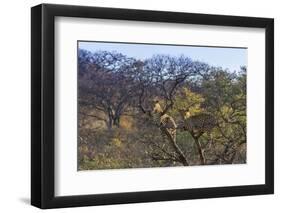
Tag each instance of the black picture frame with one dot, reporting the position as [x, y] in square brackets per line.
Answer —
[43, 105]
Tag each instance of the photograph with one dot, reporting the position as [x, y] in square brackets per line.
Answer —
[160, 105]
[139, 105]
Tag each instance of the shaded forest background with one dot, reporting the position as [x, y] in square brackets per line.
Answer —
[158, 112]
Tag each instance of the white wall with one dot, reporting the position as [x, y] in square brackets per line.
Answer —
[15, 105]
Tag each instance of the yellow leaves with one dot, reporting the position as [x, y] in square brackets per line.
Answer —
[83, 152]
[189, 102]
[192, 96]
[226, 110]
[230, 114]
[116, 142]
[196, 109]
[126, 122]
[83, 148]
[187, 115]
[240, 96]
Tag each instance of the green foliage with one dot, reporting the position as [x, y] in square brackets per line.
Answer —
[186, 100]
[116, 100]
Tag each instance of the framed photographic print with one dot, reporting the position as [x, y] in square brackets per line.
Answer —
[139, 106]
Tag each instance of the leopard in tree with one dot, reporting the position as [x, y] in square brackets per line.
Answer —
[199, 123]
[164, 120]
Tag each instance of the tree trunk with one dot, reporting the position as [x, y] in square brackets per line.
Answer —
[181, 155]
[109, 123]
[200, 151]
[116, 121]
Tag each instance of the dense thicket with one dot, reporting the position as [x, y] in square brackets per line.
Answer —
[162, 111]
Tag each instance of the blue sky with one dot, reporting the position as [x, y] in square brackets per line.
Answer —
[227, 58]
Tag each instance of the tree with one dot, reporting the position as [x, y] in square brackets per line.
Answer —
[161, 77]
[193, 117]
[225, 95]
[180, 112]
[106, 84]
